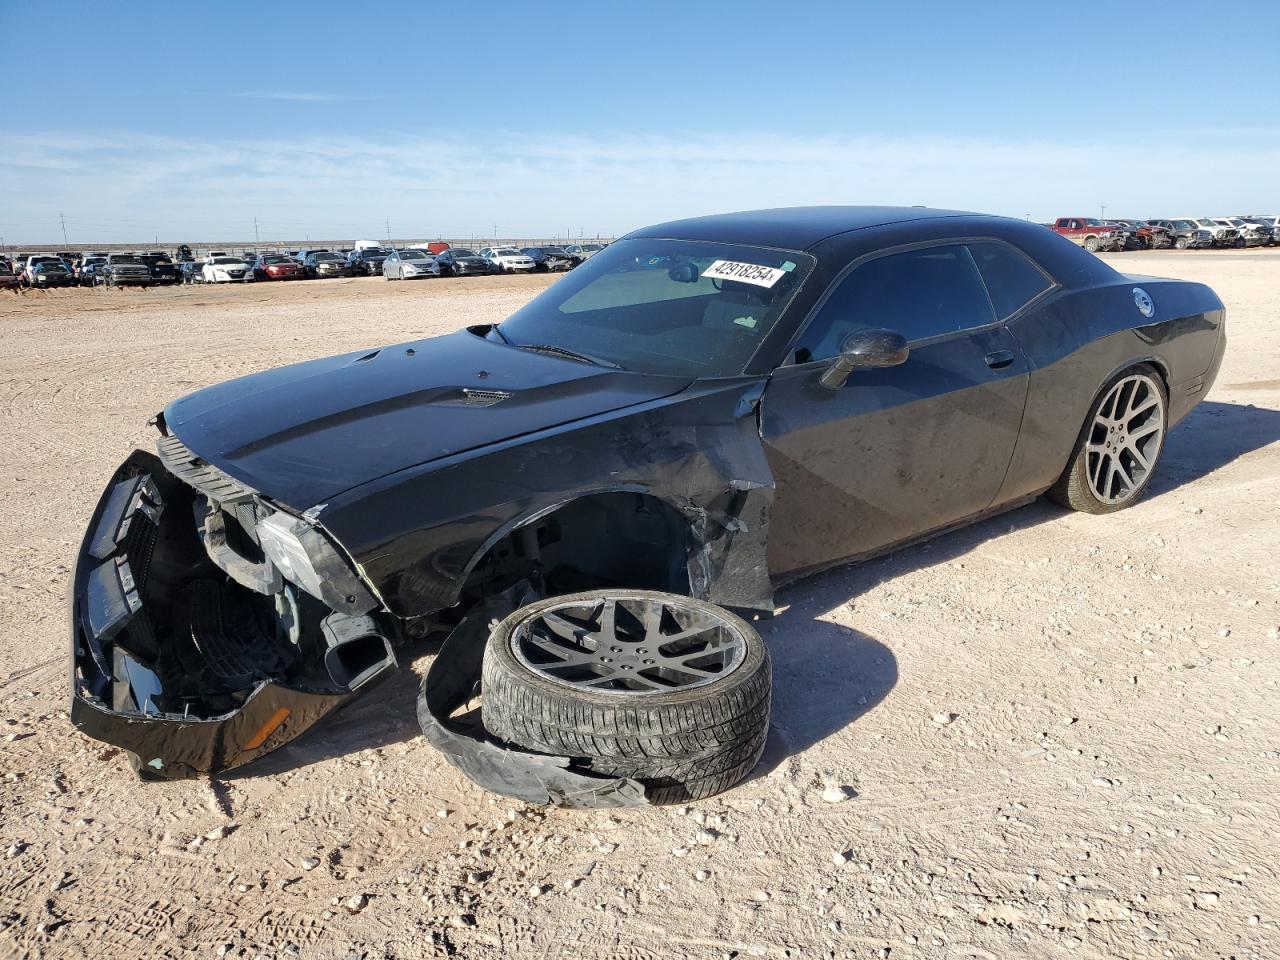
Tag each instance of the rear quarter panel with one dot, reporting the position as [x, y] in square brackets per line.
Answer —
[1079, 340]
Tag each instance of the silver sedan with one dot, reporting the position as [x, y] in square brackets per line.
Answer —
[409, 265]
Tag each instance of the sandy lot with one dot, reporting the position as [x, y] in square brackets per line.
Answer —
[1108, 787]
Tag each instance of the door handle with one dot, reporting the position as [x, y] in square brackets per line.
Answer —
[999, 359]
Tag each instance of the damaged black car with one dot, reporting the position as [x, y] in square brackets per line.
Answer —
[702, 411]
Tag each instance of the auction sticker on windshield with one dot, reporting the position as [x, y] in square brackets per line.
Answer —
[744, 273]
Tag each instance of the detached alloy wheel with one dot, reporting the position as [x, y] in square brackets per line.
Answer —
[668, 690]
[1120, 446]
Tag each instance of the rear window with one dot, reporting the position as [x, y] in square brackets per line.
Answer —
[1011, 279]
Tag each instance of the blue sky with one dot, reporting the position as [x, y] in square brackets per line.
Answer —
[327, 119]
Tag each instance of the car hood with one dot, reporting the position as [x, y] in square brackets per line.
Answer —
[302, 434]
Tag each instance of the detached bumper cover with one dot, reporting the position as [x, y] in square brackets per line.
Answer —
[114, 635]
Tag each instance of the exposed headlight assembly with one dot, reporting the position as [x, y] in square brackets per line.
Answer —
[305, 557]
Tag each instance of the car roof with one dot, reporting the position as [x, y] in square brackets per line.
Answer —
[789, 227]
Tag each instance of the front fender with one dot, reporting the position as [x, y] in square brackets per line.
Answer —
[418, 534]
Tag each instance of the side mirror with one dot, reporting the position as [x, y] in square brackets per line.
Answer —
[864, 350]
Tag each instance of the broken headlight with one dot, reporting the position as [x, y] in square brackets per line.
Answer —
[305, 557]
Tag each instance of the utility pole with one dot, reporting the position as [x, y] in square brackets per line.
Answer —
[63, 219]
[1104, 212]
[388, 231]
[255, 231]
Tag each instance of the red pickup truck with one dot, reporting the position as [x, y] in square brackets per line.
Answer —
[1091, 234]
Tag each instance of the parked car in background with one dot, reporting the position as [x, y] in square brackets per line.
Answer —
[28, 267]
[508, 260]
[459, 261]
[51, 274]
[1186, 234]
[409, 265]
[276, 266]
[1223, 235]
[433, 247]
[163, 270]
[125, 269]
[551, 259]
[86, 270]
[301, 255]
[1146, 235]
[10, 278]
[586, 249]
[1090, 233]
[1248, 234]
[1272, 223]
[225, 269]
[325, 265]
[366, 261]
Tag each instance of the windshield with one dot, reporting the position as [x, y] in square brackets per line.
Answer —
[227, 261]
[507, 252]
[328, 258]
[374, 252]
[123, 258]
[458, 252]
[412, 255]
[680, 307]
[593, 246]
[276, 258]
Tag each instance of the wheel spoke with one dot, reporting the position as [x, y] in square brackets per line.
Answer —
[1144, 431]
[1151, 401]
[608, 618]
[564, 628]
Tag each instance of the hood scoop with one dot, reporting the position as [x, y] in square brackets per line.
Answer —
[467, 397]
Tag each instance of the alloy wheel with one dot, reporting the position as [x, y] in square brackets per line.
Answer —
[629, 645]
[1125, 438]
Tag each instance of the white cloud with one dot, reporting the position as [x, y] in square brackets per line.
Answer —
[133, 187]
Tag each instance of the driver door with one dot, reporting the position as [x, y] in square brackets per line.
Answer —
[899, 451]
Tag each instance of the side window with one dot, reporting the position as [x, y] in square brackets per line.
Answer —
[1011, 279]
[919, 294]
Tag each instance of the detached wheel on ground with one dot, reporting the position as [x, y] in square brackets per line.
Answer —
[1119, 447]
[667, 690]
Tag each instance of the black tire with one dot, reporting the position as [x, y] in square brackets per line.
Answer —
[1181, 243]
[685, 744]
[1091, 244]
[1072, 489]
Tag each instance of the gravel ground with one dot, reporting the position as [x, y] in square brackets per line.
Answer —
[1047, 735]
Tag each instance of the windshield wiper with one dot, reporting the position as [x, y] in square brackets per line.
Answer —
[568, 354]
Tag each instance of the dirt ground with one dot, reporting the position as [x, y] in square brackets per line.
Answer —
[1059, 731]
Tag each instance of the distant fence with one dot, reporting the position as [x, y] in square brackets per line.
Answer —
[235, 247]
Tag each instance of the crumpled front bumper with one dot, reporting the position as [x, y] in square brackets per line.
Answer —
[119, 632]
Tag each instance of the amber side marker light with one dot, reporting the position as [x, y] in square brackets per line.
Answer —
[267, 729]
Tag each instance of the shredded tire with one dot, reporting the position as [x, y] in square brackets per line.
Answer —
[686, 744]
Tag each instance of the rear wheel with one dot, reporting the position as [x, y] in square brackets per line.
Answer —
[1119, 447]
[664, 689]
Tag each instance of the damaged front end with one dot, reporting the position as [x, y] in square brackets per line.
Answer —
[209, 627]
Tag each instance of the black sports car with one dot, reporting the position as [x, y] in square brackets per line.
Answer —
[780, 391]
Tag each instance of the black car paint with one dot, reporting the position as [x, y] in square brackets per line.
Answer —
[774, 475]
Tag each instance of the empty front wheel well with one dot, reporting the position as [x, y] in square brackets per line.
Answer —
[606, 539]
